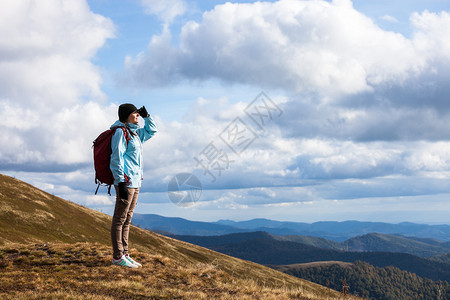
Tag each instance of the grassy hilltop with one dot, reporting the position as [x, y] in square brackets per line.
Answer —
[55, 249]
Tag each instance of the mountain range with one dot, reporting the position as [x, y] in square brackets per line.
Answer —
[335, 231]
[371, 242]
[264, 248]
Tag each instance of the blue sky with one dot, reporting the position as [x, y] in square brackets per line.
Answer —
[357, 91]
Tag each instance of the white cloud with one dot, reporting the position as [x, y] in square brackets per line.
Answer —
[46, 50]
[430, 157]
[389, 18]
[166, 10]
[229, 200]
[94, 200]
[275, 160]
[46, 77]
[431, 36]
[334, 159]
[291, 44]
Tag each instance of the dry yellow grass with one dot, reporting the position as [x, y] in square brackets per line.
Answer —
[84, 271]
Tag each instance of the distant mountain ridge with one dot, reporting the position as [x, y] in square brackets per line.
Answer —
[176, 225]
[336, 231]
[371, 242]
[396, 243]
[339, 231]
[264, 248]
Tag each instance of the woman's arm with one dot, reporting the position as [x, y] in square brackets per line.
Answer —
[149, 129]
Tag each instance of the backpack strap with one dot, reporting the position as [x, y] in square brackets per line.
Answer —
[125, 132]
[109, 189]
[97, 189]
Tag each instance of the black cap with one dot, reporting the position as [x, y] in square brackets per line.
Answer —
[125, 110]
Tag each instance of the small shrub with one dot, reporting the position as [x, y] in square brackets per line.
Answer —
[3, 263]
[21, 260]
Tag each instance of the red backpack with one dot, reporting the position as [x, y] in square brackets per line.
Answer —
[102, 157]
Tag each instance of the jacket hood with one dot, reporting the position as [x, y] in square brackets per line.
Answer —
[133, 127]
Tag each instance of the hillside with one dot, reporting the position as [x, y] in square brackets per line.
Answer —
[84, 271]
[312, 241]
[371, 242]
[376, 242]
[266, 249]
[396, 243]
[41, 234]
[445, 258]
[369, 281]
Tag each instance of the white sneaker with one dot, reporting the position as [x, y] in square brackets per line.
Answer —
[124, 262]
[132, 260]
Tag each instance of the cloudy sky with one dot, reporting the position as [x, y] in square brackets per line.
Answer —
[289, 110]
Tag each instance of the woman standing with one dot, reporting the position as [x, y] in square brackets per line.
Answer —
[127, 168]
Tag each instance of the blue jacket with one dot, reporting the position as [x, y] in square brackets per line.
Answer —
[127, 159]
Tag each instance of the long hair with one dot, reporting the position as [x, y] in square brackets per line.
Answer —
[129, 129]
